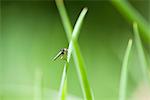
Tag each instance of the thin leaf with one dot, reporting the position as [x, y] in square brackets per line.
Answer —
[124, 73]
[131, 14]
[76, 51]
[142, 58]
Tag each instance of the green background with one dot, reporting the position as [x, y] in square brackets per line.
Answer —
[32, 34]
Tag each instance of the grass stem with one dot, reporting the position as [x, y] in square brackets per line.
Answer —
[131, 14]
[142, 58]
[72, 38]
[124, 72]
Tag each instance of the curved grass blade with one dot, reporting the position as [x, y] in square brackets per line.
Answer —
[124, 72]
[142, 58]
[131, 14]
[63, 85]
[76, 52]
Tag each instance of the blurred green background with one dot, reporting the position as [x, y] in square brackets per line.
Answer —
[32, 34]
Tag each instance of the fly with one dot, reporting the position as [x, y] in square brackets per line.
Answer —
[62, 54]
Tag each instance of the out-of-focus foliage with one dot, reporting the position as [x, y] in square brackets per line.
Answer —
[32, 33]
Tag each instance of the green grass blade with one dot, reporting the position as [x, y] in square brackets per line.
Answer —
[63, 85]
[79, 59]
[142, 58]
[76, 51]
[64, 17]
[82, 73]
[132, 15]
[124, 73]
[68, 29]
[78, 25]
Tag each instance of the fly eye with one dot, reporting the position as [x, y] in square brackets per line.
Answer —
[62, 52]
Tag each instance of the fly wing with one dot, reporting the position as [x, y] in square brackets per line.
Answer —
[57, 56]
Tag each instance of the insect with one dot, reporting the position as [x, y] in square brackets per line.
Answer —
[62, 54]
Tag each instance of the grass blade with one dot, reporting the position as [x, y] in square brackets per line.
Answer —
[76, 51]
[65, 19]
[124, 72]
[63, 85]
[142, 58]
[132, 15]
